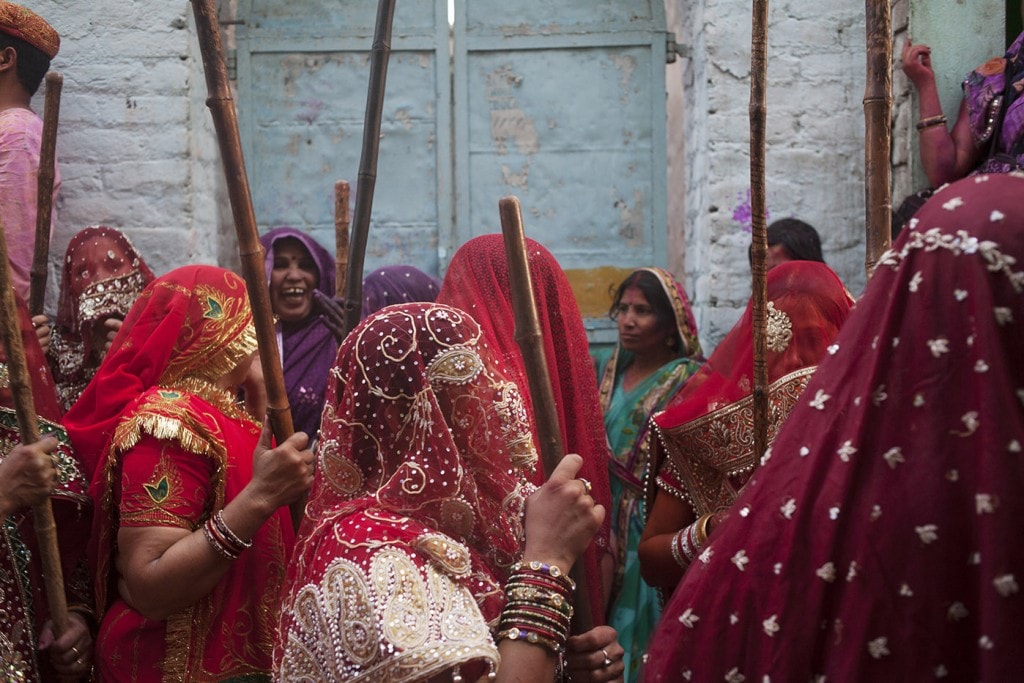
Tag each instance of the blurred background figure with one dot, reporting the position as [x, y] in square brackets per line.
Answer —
[397, 285]
[791, 239]
[103, 276]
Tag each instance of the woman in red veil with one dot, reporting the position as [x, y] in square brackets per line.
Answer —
[477, 281]
[877, 541]
[190, 538]
[704, 450]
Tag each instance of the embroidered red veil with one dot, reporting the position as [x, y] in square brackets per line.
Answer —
[103, 275]
[417, 505]
[154, 398]
[477, 281]
[877, 542]
[707, 428]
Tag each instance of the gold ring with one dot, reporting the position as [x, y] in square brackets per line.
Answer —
[586, 485]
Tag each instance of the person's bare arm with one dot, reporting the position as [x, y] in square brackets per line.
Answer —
[163, 570]
[657, 565]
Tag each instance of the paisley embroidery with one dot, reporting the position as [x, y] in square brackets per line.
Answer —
[780, 329]
[453, 557]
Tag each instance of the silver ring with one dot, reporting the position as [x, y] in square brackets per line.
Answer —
[76, 651]
[586, 487]
[607, 660]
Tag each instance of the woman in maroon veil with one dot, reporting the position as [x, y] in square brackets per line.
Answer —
[878, 542]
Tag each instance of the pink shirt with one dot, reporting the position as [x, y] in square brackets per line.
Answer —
[21, 133]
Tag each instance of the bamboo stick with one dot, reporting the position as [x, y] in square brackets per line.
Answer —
[250, 250]
[44, 192]
[878, 132]
[342, 220]
[531, 345]
[367, 179]
[28, 426]
[759, 236]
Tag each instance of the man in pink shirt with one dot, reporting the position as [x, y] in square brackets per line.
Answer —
[27, 44]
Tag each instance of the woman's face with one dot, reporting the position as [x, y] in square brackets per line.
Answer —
[292, 281]
[105, 260]
[640, 331]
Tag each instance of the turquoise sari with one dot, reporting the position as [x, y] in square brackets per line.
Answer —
[634, 606]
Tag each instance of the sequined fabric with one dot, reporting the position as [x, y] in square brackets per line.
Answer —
[416, 512]
[878, 541]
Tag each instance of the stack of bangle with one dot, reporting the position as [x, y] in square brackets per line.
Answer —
[539, 606]
[225, 541]
[688, 541]
[931, 121]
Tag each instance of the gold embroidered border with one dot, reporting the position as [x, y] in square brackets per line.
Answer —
[706, 451]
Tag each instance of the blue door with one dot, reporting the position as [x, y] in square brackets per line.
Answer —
[561, 104]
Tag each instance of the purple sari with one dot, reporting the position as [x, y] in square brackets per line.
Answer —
[307, 347]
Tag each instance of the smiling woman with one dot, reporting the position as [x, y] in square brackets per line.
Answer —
[298, 267]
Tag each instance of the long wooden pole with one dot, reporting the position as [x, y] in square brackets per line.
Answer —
[44, 192]
[250, 250]
[367, 179]
[28, 427]
[878, 132]
[542, 396]
[342, 220]
[758, 109]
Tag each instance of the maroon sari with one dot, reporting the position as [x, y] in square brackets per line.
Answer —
[879, 540]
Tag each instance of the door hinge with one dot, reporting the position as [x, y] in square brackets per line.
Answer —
[674, 49]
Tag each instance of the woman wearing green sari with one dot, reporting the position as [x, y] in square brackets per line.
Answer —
[657, 352]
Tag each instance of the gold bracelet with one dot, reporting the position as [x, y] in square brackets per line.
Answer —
[700, 531]
[931, 121]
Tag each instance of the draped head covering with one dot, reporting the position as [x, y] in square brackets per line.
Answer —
[683, 323]
[425, 447]
[190, 326]
[308, 346]
[397, 285]
[707, 429]
[876, 541]
[477, 281]
[103, 276]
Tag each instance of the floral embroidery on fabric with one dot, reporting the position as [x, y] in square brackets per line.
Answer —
[780, 329]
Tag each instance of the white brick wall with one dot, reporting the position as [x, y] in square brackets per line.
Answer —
[135, 141]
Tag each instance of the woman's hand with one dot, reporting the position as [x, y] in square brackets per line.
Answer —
[334, 313]
[595, 656]
[561, 517]
[41, 324]
[280, 475]
[71, 654]
[916, 62]
[27, 476]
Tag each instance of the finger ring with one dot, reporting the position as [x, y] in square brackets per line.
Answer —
[607, 660]
[586, 485]
[75, 651]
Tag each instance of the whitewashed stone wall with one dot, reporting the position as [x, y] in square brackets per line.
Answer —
[135, 142]
[137, 150]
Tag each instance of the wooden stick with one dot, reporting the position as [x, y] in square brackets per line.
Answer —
[28, 427]
[878, 132]
[341, 225]
[531, 345]
[759, 236]
[250, 250]
[367, 179]
[44, 192]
